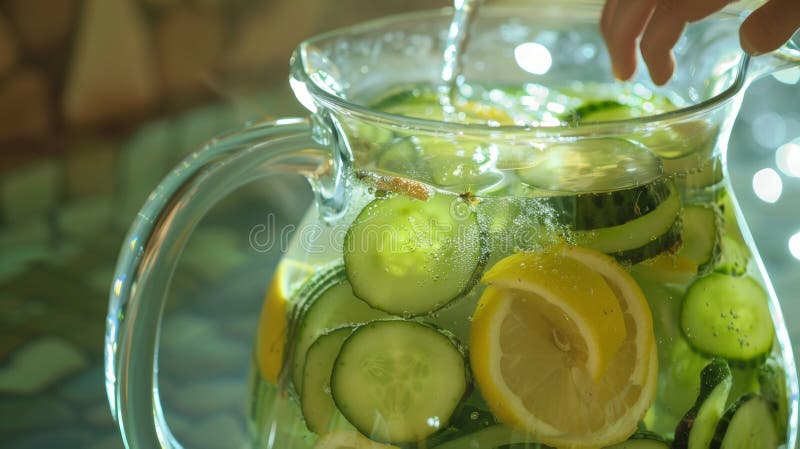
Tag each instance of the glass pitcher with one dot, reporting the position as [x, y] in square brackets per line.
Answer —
[557, 262]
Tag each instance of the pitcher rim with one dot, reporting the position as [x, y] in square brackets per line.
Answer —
[335, 102]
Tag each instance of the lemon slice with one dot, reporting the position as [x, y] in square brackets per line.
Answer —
[273, 322]
[666, 267]
[581, 314]
[562, 347]
[489, 113]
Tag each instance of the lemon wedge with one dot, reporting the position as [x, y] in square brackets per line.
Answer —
[562, 347]
[273, 322]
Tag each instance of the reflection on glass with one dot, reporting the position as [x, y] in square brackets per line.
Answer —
[789, 76]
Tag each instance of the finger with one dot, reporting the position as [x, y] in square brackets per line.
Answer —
[770, 26]
[663, 31]
[609, 9]
[665, 28]
[693, 10]
[624, 27]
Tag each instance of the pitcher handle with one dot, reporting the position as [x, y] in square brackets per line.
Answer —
[151, 249]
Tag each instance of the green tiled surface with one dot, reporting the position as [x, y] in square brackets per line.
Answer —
[95, 157]
[31, 192]
[40, 363]
[62, 222]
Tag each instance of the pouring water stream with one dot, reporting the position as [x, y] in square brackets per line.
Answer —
[457, 39]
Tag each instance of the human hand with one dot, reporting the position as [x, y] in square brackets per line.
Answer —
[660, 23]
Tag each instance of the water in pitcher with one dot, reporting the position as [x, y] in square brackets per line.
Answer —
[579, 295]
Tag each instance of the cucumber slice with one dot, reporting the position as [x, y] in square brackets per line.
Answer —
[423, 102]
[604, 110]
[373, 135]
[748, 424]
[316, 402]
[491, 437]
[727, 316]
[702, 236]
[470, 417]
[399, 381]
[734, 257]
[401, 158]
[454, 162]
[591, 165]
[772, 383]
[666, 268]
[642, 440]
[349, 439]
[701, 247]
[745, 380]
[587, 211]
[399, 96]
[696, 429]
[641, 238]
[599, 111]
[327, 302]
[524, 446]
[691, 177]
[679, 384]
[725, 201]
[410, 257]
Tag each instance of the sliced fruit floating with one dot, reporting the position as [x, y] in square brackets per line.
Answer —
[593, 210]
[349, 439]
[273, 322]
[399, 381]
[410, 257]
[643, 236]
[748, 424]
[315, 399]
[642, 440]
[590, 165]
[496, 436]
[326, 303]
[441, 161]
[401, 157]
[603, 110]
[680, 380]
[562, 347]
[772, 383]
[699, 253]
[696, 429]
[735, 257]
[727, 316]
[424, 103]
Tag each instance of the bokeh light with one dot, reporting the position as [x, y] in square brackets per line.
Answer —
[769, 130]
[794, 245]
[767, 185]
[533, 58]
[787, 158]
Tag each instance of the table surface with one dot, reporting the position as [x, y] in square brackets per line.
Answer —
[56, 266]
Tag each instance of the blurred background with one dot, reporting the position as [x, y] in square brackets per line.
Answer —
[100, 98]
